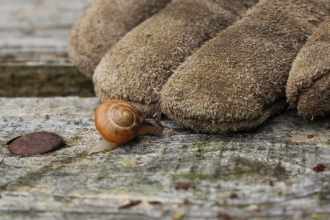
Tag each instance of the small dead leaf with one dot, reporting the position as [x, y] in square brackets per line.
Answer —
[233, 196]
[319, 168]
[223, 216]
[129, 204]
[218, 186]
[290, 182]
[154, 203]
[253, 208]
[184, 186]
[310, 136]
[178, 215]
[129, 162]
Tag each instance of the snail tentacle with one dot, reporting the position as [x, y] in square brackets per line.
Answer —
[151, 126]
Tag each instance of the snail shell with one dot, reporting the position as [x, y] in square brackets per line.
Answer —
[118, 121]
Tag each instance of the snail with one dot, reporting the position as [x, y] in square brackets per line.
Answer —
[118, 122]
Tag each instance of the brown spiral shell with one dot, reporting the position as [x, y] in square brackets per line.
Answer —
[118, 121]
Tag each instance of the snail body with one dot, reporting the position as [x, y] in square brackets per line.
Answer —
[118, 122]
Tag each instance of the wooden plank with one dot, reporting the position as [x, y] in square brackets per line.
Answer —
[265, 173]
[44, 81]
[37, 26]
[33, 49]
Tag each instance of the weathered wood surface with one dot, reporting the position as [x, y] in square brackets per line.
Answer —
[35, 31]
[266, 173]
[33, 45]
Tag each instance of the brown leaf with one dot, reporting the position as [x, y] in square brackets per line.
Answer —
[319, 168]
